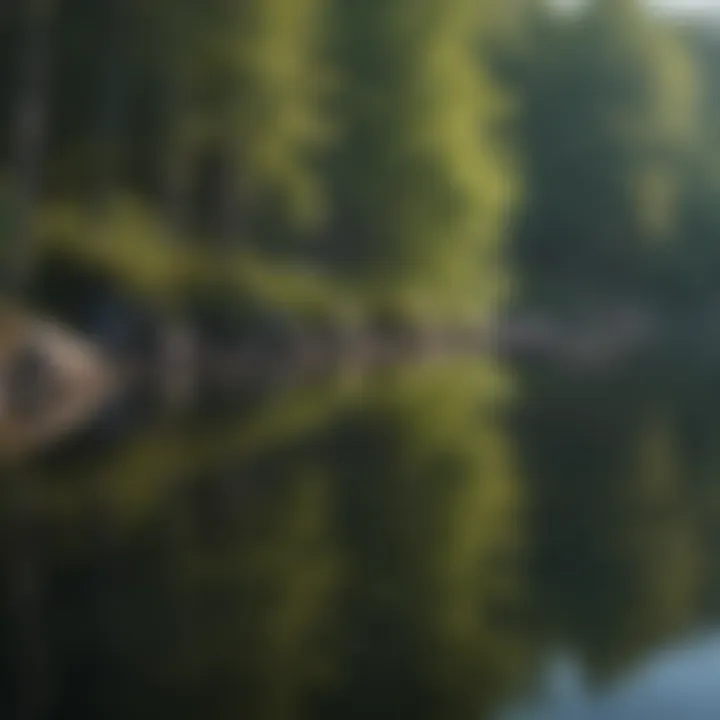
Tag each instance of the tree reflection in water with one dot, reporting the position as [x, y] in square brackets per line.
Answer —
[417, 545]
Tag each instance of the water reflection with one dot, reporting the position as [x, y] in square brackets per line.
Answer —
[681, 682]
[417, 545]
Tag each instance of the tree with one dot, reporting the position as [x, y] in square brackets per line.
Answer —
[421, 184]
[256, 87]
[609, 124]
[34, 21]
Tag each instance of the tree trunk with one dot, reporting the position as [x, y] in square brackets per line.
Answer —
[177, 345]
[111, 107]
[25, 581]
[29, 134]
[24, 598]
[228, 210]
[175, 162]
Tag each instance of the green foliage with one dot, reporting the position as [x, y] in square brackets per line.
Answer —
[127, 244]
[258, 85]
[131, 249]
[610, 125]
[421, 182]
[433, 158]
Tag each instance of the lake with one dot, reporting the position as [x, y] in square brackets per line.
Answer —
[452, 540]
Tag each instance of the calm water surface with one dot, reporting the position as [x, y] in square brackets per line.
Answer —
[452, 542]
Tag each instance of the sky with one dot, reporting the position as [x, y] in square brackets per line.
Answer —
[687, 6]
[680, 7]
